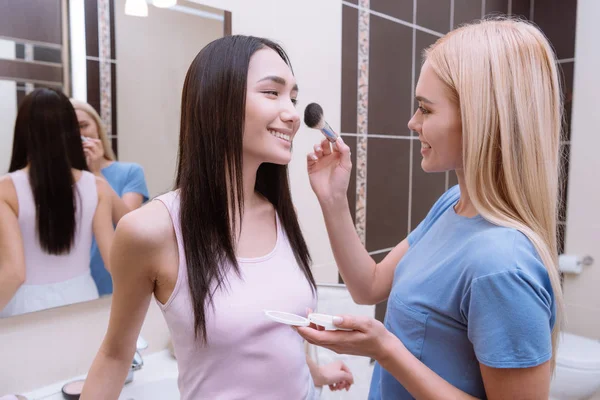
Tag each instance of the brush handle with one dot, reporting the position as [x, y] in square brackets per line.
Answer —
[329, 133]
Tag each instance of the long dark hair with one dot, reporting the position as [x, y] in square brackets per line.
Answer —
[210, 155]
[47, 138]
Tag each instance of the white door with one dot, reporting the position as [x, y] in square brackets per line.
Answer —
[582, 292]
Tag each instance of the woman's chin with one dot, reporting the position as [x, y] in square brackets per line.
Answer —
[280, 158]
[431, 168]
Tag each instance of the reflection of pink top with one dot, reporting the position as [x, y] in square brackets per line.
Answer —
[248, 356]
[43, 268]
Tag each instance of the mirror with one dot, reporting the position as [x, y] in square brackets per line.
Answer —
[25, 51]
[129, 70]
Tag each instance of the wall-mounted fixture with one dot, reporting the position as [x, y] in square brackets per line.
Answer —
[136, 8]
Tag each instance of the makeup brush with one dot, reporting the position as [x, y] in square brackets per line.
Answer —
[314, 118]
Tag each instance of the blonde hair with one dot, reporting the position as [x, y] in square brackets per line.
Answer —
[83, 106]
[503, 74]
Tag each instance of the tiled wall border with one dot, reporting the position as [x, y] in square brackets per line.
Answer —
[412, 134]
[105, 58]
[101, 63]
[362, 119]
[362, 134]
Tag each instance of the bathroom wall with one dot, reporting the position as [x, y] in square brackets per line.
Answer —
[582, 294]
[150, 97]
[8, 109]
[390, 193]
[41, 348]
[324, 49]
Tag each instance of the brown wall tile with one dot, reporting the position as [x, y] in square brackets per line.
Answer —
[466, 11]
[567, 85]
[452, 179]
[351, 142]
[521, 8]
[27, 71]
[33, 20]
[434, 14]
[93, 84]
[20, 96]
[495, 7]
[115, 146]
[113, 47]
[387, 192]
[557, 19]
[560, 230]
[349, 68]
[565, 155]
[47, 54]
[20, 51]
[401, 9]
[227, 24]
[91, 27]
[423, 40]
[113, 98]
[390, 73]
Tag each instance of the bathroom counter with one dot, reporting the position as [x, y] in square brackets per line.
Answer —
[157, 366]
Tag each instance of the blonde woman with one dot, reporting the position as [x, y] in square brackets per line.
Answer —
[474, 298]
[126, 179]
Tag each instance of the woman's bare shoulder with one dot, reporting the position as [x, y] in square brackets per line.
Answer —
[147, 227]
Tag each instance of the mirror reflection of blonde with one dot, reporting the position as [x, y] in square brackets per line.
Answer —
[126, 179]
[100, 128]
[511, 111]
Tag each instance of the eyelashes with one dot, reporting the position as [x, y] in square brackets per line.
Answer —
[276, 94]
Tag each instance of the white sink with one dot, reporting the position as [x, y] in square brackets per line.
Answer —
[156, 380]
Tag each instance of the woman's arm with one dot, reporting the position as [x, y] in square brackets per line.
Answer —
[138, 251]
[420, 381]
[336, 374]
[135, 191]
[121, 206]
[102, 223]
[367, 281]
[329, 173]
[12, 257]
[94, 154]
[370, 338]
[517, 383]
[500, 383]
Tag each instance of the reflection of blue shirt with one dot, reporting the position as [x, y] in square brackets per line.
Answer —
[467, 292]
[124, 178]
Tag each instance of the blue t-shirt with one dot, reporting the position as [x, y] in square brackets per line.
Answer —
[123, 177]
[467, 292]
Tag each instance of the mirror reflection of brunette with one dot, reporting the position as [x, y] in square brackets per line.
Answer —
[49, 207]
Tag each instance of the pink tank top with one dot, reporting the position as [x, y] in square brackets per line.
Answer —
[42, 268]
[247, 356]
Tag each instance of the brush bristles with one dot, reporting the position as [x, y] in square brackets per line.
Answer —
[313, 116]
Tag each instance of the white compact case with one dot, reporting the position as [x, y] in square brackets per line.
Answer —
[323, 320]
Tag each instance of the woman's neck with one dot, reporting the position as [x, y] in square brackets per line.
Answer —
[464, 207]
[252, 199]
[105, 163]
